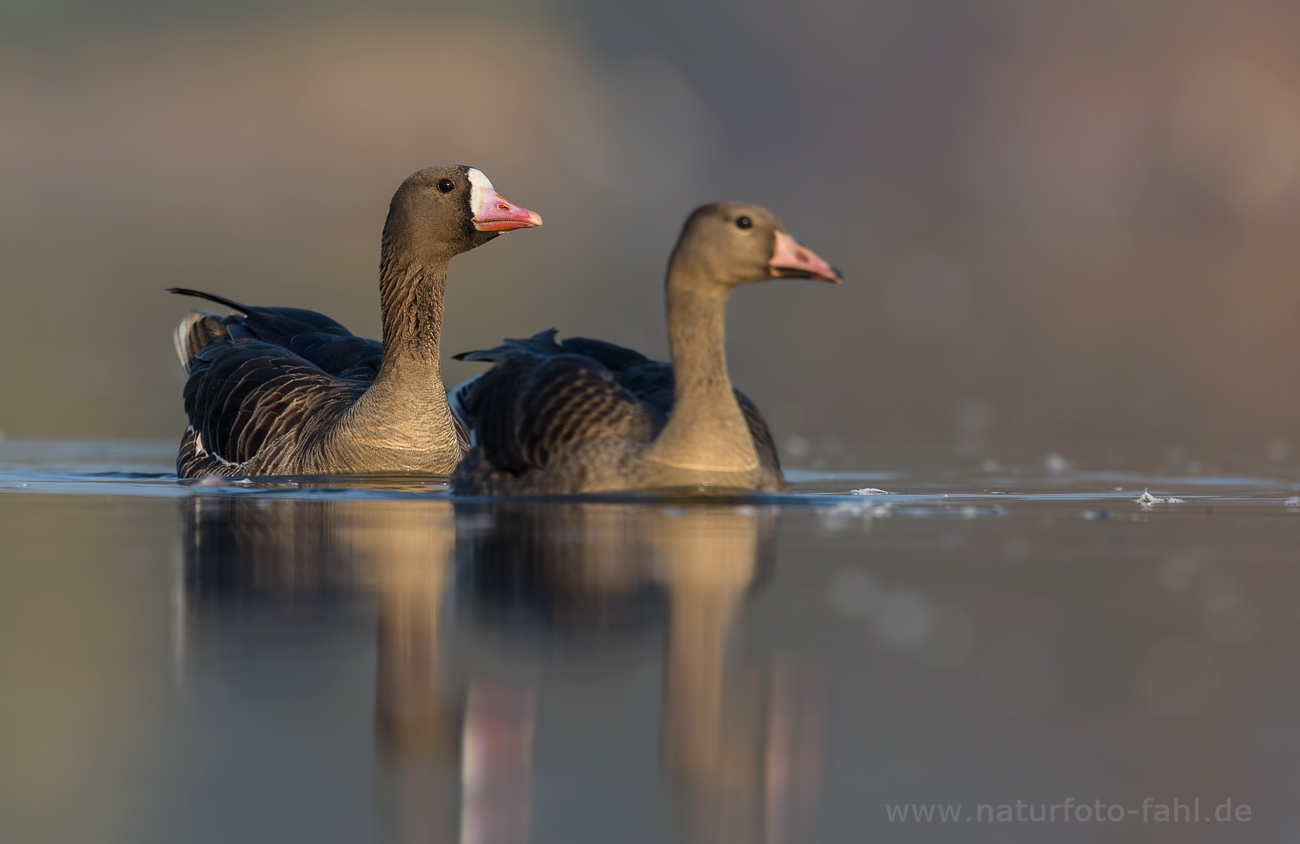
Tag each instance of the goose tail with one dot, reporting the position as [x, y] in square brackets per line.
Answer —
[211, 297]
[198, 330]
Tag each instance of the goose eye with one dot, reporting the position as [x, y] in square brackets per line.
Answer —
[744, 223]
[446, 185]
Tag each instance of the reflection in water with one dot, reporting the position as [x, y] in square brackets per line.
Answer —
[407, 547]
[744, 777]
[565, 566]
[248, 548]
[741, 743]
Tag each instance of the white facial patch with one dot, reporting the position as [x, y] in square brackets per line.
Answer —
[478, 184]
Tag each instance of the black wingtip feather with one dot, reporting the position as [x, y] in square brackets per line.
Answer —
[542, 341]
[211, 297]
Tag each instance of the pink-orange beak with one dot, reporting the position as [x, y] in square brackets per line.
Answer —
[790, 260]
[497, 214]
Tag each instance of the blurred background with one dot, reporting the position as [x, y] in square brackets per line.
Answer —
[1065, 228]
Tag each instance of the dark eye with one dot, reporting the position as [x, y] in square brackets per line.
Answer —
[744, 223]
[446, 185]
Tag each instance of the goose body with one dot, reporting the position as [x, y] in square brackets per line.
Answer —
[288, 391]
[585, 416]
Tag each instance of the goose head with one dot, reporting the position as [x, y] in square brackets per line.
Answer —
[726, 244]
[440, 212]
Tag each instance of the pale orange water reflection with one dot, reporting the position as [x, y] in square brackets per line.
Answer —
[735, 746]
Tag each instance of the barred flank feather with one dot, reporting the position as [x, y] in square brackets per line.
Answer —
[542, 400]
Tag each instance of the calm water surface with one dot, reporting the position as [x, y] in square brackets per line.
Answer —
[318, 662]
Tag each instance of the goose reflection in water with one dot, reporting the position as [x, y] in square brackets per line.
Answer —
[740, 737]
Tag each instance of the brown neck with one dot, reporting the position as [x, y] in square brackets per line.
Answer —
[707, 430]
[405, 409]
[411, 294]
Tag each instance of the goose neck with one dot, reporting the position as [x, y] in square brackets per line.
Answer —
[411, 301]
[707, 431]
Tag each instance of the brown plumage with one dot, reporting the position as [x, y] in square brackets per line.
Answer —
[587, 416]
[287, 391]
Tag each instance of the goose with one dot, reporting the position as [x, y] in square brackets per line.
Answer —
[287, 391]
[586, 416]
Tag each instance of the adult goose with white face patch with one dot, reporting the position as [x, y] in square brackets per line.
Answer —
[587, 416]
[287, 391]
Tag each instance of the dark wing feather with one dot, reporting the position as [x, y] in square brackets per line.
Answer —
[528, 411]
[542, 398]
[572, 399]
[344, 357]
[539, 402]
[613, 357]
[253, 401]
[311, 336]
[493, 411]
[763, 442]
[540, 345]
[652, 382]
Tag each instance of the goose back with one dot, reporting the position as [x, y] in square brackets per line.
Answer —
[312, 336]
[573, 416]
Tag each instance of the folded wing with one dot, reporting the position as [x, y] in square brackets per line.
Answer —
[542, 399]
